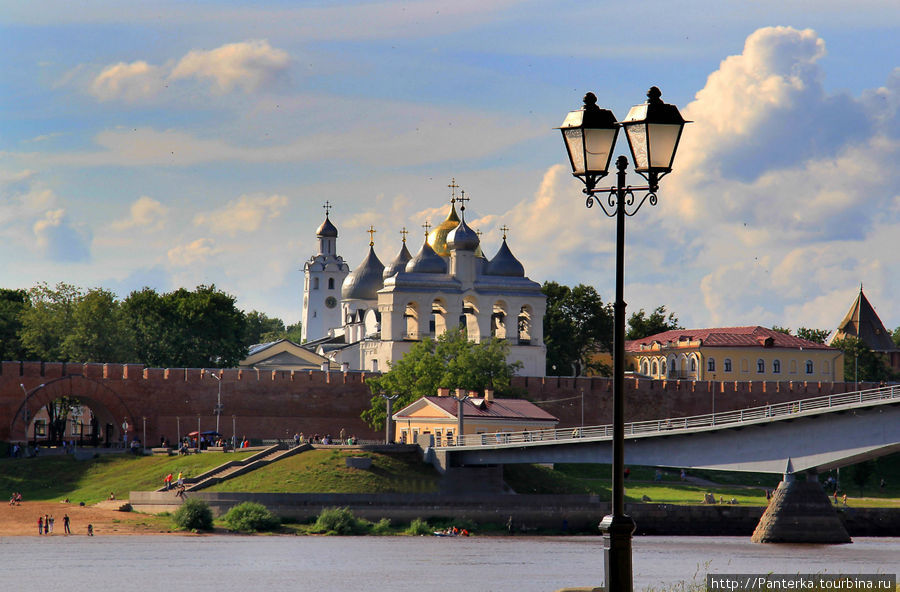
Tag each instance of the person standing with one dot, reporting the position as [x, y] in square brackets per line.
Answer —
[66, 524]
[40, 525]
[168, 481]
[50, 522]
[90, 530]
[180, 478]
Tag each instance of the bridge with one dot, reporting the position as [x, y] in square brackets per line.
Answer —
[813, 434]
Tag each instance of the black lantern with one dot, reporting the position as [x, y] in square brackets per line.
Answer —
[653, 130]
[590, 136]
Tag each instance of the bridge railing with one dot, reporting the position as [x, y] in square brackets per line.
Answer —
[774, 411]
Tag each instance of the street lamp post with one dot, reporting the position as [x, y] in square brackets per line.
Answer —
[460, 416]
[143, 434]
[653, 130]
[218, 409]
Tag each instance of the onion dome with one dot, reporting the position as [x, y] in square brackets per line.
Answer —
[437, 238]
[365, 280]
[426, 261]
[399, 262]
[462, 238]
[327, 229]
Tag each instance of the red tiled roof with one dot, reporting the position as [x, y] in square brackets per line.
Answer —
[498, 409]
[727, 337]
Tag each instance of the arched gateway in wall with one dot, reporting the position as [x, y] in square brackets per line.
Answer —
[108, 409]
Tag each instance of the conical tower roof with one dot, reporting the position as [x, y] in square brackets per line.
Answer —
[505, 263]
[863, 323]
[399, 262]
[365, 280]
[427, 261]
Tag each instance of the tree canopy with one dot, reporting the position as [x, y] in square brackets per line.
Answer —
[640, 325]
[861, 363]
[450, 361]
[577, 325]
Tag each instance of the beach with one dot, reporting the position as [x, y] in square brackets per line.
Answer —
[105, 517]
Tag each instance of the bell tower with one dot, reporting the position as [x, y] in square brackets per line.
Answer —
[324, 274]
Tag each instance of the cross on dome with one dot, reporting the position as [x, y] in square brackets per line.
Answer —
[462, 199]
[504, 229]
[371, 232]
[453, 187]
[327, 207]
[403, 233]
[427, 227]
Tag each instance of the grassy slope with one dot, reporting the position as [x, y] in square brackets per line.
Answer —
[325, 471]
[56, 477]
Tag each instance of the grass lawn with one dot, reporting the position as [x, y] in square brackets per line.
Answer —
[325, 471]
[52, 478]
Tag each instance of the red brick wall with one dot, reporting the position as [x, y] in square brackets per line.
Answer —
[276, 404]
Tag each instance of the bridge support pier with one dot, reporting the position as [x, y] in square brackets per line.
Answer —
[800, 512]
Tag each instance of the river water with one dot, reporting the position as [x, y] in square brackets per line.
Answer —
[401, 564]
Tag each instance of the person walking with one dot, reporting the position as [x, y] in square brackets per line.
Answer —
[66, 524]
[168, 481]
[40, 525]
[50, 522]
[90, 530]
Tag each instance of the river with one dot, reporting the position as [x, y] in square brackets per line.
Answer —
[401, 564]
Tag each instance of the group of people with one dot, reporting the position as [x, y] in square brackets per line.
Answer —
[15, 499]
[179, 484]
[46, 522]
[327, 439]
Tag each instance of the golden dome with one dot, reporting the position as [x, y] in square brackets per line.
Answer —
[437, 238]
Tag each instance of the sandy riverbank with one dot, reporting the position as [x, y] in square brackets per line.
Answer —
[107, 520]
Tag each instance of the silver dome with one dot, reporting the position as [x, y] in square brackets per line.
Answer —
[426, 261]
[462, 238]
[505, 264]
[364, 282]
[399, 262]
[327, 229]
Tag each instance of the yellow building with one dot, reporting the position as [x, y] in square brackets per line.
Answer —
[734, 353]
[481, 415]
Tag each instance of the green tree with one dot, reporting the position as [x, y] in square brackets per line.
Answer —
[814, 335]
[895, 335]
[577, 324]
[450, 361]
[97, 332]
[262, 329]
[152, 328]
[640, 325]
[860, 473]
[861, 363]
[785, 330]
[49, 319]
[12, 304]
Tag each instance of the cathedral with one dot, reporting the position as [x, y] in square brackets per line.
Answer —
[367, 318]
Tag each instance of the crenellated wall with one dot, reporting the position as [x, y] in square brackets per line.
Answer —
[275, 404]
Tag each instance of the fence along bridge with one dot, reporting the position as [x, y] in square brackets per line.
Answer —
[819, 433]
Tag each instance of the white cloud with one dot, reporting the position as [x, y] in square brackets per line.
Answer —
[59, 239]
[245, 214]
[247, 65]
[145, 213]
[128, 82]
[193, 253]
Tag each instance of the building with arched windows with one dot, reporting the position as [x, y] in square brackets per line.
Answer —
[323, 275]
[734, 353]
[387, 309]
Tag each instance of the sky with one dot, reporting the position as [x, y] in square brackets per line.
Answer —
[173, 144]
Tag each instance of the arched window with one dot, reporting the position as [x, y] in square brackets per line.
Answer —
[809, 367]
[331, 283]
[662, 367]
[760, 366]
[711, 365]
[727, 365]
[776, 367]
[645, 367]
[315, 283]
[654, 369]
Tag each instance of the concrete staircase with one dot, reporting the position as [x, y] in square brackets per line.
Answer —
[240, 467]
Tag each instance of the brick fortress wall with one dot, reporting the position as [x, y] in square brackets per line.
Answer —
[277, 404]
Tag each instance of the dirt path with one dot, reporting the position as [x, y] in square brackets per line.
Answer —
[22, 520]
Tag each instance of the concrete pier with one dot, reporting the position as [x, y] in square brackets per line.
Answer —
[800, 512]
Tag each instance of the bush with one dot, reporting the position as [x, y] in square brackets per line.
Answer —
[340, 521]
[383, 526]
[418, 527]
[251, 517]
[194, 515]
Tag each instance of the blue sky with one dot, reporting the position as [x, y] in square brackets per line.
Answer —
[170, 144]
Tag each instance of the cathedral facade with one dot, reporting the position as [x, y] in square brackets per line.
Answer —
[386, 309]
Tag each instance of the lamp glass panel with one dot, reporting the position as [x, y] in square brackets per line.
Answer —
[637, 140]
[598, 143]
[575, 146]
[663, 141]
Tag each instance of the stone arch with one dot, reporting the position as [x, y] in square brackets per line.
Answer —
[654, 369]
[107, 406]
[526, 314]
[411, 316]
[438, 317]
[469, 318]
[499, 314]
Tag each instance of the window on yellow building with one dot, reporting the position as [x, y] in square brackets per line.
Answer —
[711, 365]
[776, 367]
[809, 367]
[727, 365]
